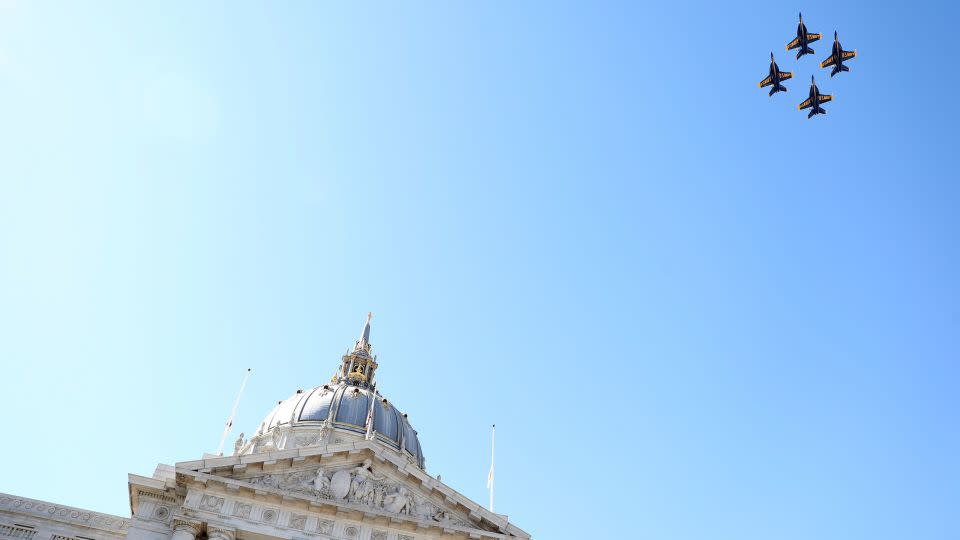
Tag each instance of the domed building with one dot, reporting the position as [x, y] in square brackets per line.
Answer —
[336, 462]
[338, 411]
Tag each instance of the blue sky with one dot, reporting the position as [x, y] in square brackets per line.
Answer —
[690, 311]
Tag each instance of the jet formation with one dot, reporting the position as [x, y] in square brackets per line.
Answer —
[802, 42]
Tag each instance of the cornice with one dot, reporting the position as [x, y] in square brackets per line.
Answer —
[59, 512]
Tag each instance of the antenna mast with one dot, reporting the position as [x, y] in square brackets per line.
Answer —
[236, 403]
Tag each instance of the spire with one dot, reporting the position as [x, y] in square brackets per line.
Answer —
[358, 367]
[363, 344]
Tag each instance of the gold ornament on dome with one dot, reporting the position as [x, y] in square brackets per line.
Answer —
[357, 373]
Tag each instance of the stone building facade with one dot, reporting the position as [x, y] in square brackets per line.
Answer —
[336, 462]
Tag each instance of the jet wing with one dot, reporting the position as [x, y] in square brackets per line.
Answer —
[766, 82]
[828, 62]
[825, 98]
[806, 104]
[813, 37]
[849, 54]
[784, 75]
[794, 44]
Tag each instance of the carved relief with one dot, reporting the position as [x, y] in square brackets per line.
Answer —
[404, 537]
[360, 485]
[325, 526]
[297, 521]
[378, 535]
[161, 513]
[351, 532]
[308, 440]
[211, 503]
[242, 510]
[269, 516]
[309, 482]
[399, 501]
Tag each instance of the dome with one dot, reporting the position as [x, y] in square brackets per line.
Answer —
[345, 407]
[338, 411]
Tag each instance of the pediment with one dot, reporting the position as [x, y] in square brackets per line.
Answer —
[362, 480]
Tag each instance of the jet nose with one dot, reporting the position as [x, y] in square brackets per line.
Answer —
[771, 56]
[834, 35]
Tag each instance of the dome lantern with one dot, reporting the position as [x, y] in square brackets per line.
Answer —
[358, 367]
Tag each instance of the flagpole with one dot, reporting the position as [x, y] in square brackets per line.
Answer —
[233, 412]
[493, 432]
[373, 396]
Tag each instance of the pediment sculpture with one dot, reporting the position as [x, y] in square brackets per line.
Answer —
[359, 485]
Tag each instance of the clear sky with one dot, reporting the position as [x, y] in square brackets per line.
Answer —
[691, 312]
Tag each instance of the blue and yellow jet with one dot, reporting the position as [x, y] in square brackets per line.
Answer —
[815, 99]
[775, 78]
[837, 56]
[803, 39]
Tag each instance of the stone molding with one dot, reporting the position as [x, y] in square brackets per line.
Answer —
[157, 496]
[63, 513]
[17, 531]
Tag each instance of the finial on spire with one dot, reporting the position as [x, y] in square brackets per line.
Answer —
[363, 344]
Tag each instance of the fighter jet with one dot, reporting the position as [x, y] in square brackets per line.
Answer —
[803, 39]
[837, 57]
[775, 78]
[815, 99]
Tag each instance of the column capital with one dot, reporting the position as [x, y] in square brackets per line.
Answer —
[220, 532]
[191, 526]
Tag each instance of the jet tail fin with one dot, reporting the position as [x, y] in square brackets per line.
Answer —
[803, 51]
[821, 110]
[811, 113]
[836, 69]
[844, 68]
